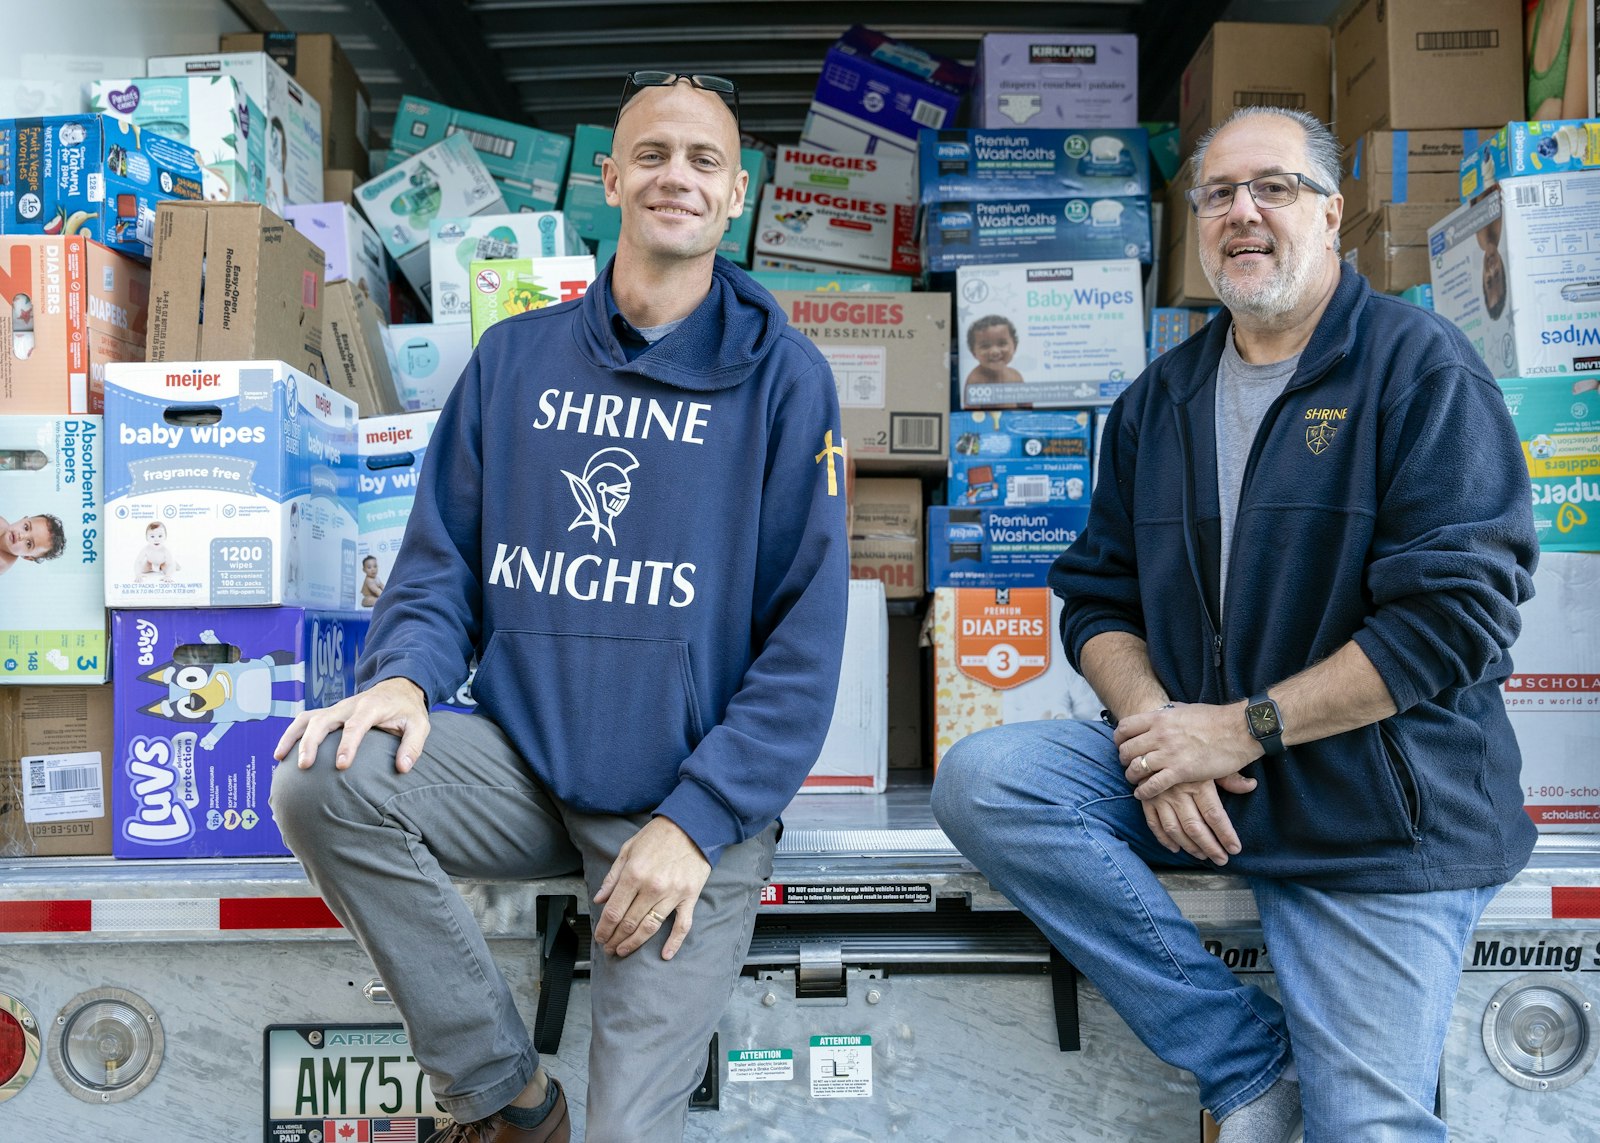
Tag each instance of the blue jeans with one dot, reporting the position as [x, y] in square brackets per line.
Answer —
[1368, 979]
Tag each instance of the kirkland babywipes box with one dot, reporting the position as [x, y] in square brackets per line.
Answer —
[202, 698]
[976, 232]
[350, 248]
[1535, 148]
[513, 286]
[228, 483]
[52, 530]
[889, 177]
[1056, 79]
[999, 547]
[529, 165]
[837, 230]
[1033, 163]
[428, 360]
[1017, 459]
[1558, 422]
[455, 243]
[875, 93]
[391, 453]
[1049, 334]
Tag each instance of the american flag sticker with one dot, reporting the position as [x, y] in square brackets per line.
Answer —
[346, 1131]
[394, 1131]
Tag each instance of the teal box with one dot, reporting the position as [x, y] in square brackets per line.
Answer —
[1558, 422]
[1074, 229]
[1419, 295]
[529, 165]
[1020, 459]
[840, 283]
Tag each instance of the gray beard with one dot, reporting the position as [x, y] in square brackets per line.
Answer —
[1287, 287]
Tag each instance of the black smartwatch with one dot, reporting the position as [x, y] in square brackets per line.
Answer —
[1265, 723]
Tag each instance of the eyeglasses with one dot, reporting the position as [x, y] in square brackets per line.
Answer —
[1269, 192]
[636, 81]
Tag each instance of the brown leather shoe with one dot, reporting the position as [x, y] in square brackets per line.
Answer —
[556, 1128]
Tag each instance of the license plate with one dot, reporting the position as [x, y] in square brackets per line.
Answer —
[345, 1083]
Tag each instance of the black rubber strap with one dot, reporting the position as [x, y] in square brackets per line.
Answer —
[555, 973]
[1064, 991]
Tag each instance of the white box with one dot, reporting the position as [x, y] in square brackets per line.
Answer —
[428, 360]
[349, 246]
[1529, 302]
[855, 755]
[228, 483]
[455, 243]
[887, 177]
[1553, 699]
[1076, 331]
[391, 451]
[226, 127]
[837, 229]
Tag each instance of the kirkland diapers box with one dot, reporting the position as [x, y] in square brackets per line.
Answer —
[228, 483]
[1033, 163]
[516, 285]
[875, 93]
[1515, 271]
[855, 755]
[1049, 334]
[998, 547]
[202, 697]
[350, 248]
[1019, 459]
[1558, 422]
[455, 243]
[837, 230]
[52, 528]
[528, 165]
[977, 232]
[428, 360]
[391, 453]
[55, 771]
[1056, 79]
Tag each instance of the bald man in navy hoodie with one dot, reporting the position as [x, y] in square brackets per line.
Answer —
[631, 515]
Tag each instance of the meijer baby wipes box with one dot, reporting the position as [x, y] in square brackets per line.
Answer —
[391, 453]
[228, 483]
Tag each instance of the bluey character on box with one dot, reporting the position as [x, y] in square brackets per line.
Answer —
[155, 558]
[222, 694]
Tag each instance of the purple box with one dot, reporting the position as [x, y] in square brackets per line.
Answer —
[202, 697]
[350, 248]
[1056, 79]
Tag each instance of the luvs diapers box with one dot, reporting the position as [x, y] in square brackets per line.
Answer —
[514, 286]
[212, 114]
[1056, 79]
[1033, 163]
[455, 243]
[1048, 334]
[839, 230]
[1558, 422]
[52, 528]
[875, 93]
[228, 483]
[428, 360]
[1020, 459]
[979, 232]
[202, 698]
[391, 452]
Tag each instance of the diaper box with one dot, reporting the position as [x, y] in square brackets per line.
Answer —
[528, 164]
[875, 93]
[855, 754]
[998, 547]
[1036, 230]
[1019, 459]
[503, 289]
[1535, 148]
[886, 534]
[228, 483]
[355, 349]
[202, 698]
[886, 177]
[55, 771]
[67, 307]
[350, 248]
[1036, 162]
[52, 535]
[428, 360]
[1558, 422]
[839, 230]
[391, 452]
[93, 175]
[1056, 79]
[1048, 333]
[841, 282]
[455, 243]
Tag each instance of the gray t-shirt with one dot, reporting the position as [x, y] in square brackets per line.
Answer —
[1244, 393]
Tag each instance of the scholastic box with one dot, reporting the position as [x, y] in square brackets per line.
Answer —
[998, 547]
[1033, 162]
[355, 349]
[529, 165]
[455, 243]
[55, 771]
[428, 360]
[93, 175]
[1056, 79]
[1015, 460]
[502, 289]
[350, 248]
[838, 230]
[52, 525]
[855, 754]
[875, 93]
[391, 454]
[1558, 422]
[889, 177]
[1048, 333]
[886, 534]
[202, 697]
[1530, 149]
[1270, 65]
[1080, 228]
[228, 483]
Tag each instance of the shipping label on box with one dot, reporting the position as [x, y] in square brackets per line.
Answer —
[998, 547]
[392, 450]
[855, 754]
[1020, 459]
[1558, 422]
[1539, 148]
[1056, 79]
[428, 360]
[881, 178]
[350, 247]
[455, 243]
[228, 483]
[506, 288]
[837, 229]
[52, 528]
[1033, 163]
[875, 93]
[201, 700]
[55, 771]
[886, 534]
[92, 175]
[1405, 166]
[1049, 334]
[1036, 230]
[530, 163]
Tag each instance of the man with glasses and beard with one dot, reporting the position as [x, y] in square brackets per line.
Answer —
[629, 514]
[1294, 596]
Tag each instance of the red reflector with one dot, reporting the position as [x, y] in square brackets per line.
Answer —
[1574, 903]
[12, 1045]
[275, 913]
[45, 916]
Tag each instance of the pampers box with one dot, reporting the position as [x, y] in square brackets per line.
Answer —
[1020, 459]
[211, 114]
[1056, 79]
[1049, 334]
[455, 243]
[228, 483]
[976, 232]
[1033, 163]
[391, 452]
[52, 527]
[998, 547]
[428, 360]
[1558, 422]
[202, 698]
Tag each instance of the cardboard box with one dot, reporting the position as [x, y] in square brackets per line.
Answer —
[1511, 270]
[428, 360]
[228, 484]
[1171, 326]
[890, 359]
[1553, 699]
[203, 698]
[886, 534]
[1558, 421]
[529, 165]
[1016, 460]
[842, 282]
[889, 177]
[350, 248]
[455, 243]
[320, 66]
[1183, 280]
[505, 288]
[356, 351]
[340, 185]
[234, 282]
[998, 547]
[1036, 230]
[997, 660]
[1056, 79]
[93, 175]
[1391, 246]
[52, 607]
[67, 307]
[909, 687]
[1258, 65]
[855, 754]
[391, 450]
[1405, 166]
[875, 93]
[1075, 331]
[292, 140]
[1421, 64]
[1529, 149]
[837, 230]
[1035, 162]
[55, 772]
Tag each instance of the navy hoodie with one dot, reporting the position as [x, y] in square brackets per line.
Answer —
[648, 558]
[1386, 500]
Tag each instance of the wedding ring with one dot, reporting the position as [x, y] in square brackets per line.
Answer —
[655, 916]
[1144, 767]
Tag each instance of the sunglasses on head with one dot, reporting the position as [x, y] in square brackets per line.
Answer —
[636, 81]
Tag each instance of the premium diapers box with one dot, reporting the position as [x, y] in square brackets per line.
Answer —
[211, 114]
[202, 698]
[52, 534]
[1033, 163]
[391, 453]
[228, 483]
[838, 230]
[1019, 459]
[1558, 422]
[1056, 79]
[875, 93]
[514, 286]
[455, 243]
[428, 360]
[979, 232]
[999, 547]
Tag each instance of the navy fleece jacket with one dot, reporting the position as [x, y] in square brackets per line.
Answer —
[1385, 500]
[648, 558]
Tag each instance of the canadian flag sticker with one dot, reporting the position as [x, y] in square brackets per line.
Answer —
[346, 1131]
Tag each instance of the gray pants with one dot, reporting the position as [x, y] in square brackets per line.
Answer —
[381, 848]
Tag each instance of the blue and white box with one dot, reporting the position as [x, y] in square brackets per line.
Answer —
[1081, 228]
[1033, 163]
[428, 360]
[455, 243]
[228, 483]
[1021, 459]
[875, 93]
[998, 547]
[391, 451]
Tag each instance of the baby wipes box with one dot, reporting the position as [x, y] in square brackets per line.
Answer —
[838, 230]
[1017, 459]
[391, 453]
[514, 286]
[1033, 163]
[1558, 422]
[228, 483]
[428, 360]
[999, 547]
[976, 232]
[455, 243]
[528, 165]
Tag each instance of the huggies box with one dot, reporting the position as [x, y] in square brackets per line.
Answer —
[391, 453]
[228, 483]
[1019, 459]
[202, 698]
[1033, 163]
[455, 243]
[838, 229]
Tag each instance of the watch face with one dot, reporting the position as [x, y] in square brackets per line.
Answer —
[1263, 719]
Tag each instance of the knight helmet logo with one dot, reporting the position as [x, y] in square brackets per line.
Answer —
[602, 491]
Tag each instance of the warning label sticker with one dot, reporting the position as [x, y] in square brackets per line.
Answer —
[841, 1067]
[874, 893]
[760, 1065]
